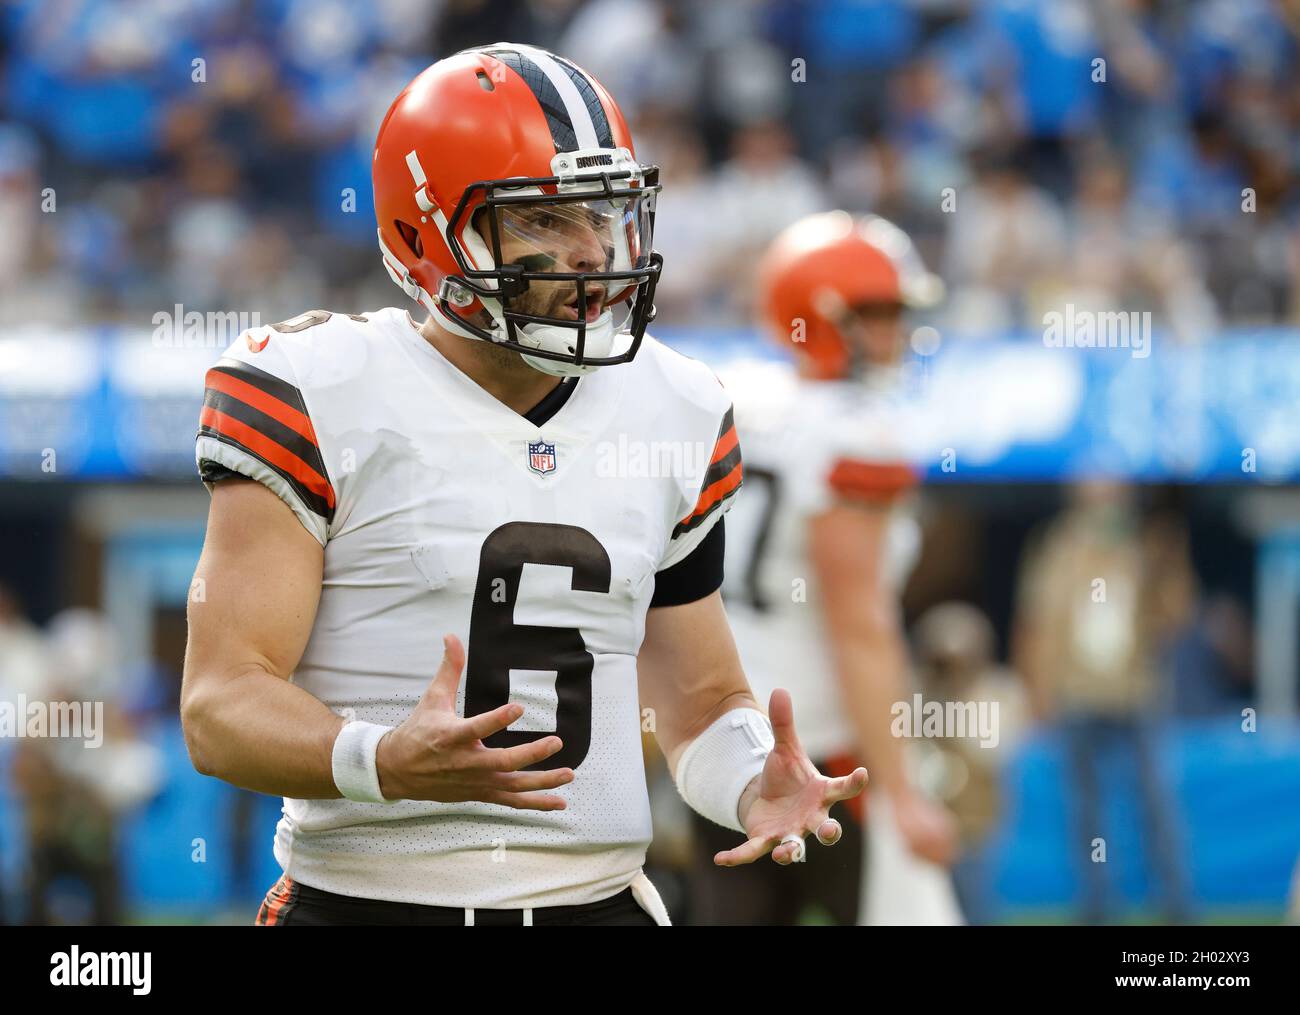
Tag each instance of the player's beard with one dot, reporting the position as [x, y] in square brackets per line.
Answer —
[501, 359]
[544, 299]
[541, 299]
[510, 362]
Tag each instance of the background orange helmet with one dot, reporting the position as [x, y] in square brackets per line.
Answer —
[823, 267]
[512, 128]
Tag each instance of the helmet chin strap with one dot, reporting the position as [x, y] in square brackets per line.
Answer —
[599, 342]
[599, 338]
[555, 368]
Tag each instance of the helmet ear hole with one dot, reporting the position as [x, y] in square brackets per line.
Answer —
[411, 237]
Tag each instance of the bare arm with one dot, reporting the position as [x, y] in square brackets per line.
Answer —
[690, 672]
[244, 722]
[251, 610]
[846, 546]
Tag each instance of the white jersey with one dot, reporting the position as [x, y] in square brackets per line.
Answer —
[808, 444]
[443, 511]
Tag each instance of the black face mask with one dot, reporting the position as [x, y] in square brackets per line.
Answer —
[600, 225]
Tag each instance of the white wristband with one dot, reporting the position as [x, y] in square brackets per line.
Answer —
[716, 766]
[355, 773]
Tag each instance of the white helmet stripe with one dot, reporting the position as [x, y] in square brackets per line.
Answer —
[583, 126]
[421, 181]
[417, 170]
[427, 205]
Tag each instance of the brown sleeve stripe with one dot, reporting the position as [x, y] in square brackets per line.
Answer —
[274, 386]
[265, 417]
[721, 480]
[877, 482]
[229, 407]
[710, 500]
[311, 487]
[290, 414]
[725, 465]
[726, 437]
[726, 452]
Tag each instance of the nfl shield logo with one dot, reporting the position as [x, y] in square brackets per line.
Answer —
[541, 457]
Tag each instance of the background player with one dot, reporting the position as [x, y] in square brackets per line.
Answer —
[822, 543]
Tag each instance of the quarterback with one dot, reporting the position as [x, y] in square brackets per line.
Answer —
[431, 620]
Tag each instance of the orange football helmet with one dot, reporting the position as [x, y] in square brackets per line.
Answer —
[822, 269]
[519, 143]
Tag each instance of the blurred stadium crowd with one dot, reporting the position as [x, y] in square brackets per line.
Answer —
[215, 153]
[1135, 154]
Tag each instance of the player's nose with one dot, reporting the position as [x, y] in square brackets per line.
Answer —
[588, 251]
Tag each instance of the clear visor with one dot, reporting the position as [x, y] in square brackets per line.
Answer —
[579, 256]
[576, 237]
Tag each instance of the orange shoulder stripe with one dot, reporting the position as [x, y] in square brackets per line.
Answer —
[270, 450]
[280, 411]
[714, 492]
[726, 442]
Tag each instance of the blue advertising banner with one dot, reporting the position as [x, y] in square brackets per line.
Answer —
[110, 404]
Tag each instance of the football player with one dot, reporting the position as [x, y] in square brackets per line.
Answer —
[818, 550]
[433, 568]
